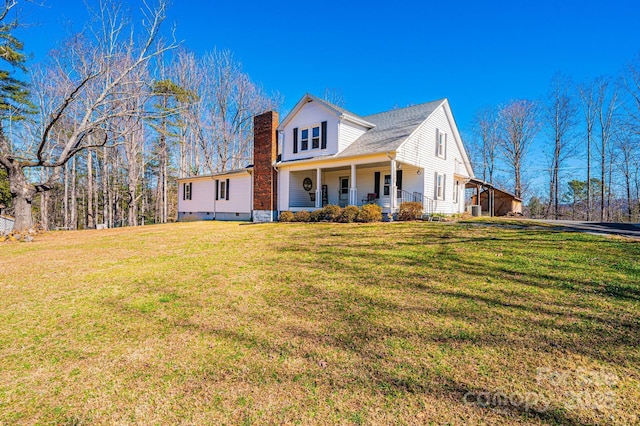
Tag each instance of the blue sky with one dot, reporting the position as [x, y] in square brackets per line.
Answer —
[386, 54]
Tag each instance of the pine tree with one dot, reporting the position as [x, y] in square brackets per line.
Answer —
[14, 106]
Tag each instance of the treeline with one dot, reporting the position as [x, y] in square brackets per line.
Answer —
[105, 125]
[586, 132]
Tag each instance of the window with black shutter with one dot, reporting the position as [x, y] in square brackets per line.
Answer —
[186, 191]
[223, 190]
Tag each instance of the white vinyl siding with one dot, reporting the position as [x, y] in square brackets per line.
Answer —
[203, 194]
[421, 149]
[348, 133]
[311, 115]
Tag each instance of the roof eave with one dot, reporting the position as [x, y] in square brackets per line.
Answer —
[357, 120]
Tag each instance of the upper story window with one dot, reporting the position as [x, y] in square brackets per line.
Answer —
[441, 144]
[313, 137]
[304, 139]
[312, 133]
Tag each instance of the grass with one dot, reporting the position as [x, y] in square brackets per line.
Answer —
[412, 323]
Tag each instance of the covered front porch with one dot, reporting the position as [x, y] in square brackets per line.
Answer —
[357, 184]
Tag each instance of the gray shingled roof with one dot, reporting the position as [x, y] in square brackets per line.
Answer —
[392, 129]
[342, 110]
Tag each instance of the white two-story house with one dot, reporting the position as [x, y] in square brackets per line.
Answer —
[323, 154]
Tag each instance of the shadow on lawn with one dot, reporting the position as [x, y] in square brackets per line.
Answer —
[534, 305]
[371, 370]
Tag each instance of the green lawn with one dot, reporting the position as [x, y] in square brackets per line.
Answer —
[226, 323]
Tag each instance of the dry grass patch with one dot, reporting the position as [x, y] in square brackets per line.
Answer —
[226, 323]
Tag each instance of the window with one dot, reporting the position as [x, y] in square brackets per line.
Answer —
[456, 191]
[440, 186]
[315, 137]
[304, 140]
[441, 143]
[186, 191]
[387, 183]
[223, 190]
[315, 134]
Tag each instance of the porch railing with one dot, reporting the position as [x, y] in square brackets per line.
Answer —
[406, 196]
[427, 203]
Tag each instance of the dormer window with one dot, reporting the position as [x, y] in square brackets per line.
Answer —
[312, 133]
[315, 140]
[304, 140]
[308, 138]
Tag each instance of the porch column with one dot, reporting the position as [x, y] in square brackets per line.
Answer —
[394, 190]
[318, 187]
[353, 191]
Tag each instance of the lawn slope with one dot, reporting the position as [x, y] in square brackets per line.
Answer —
[226, 323]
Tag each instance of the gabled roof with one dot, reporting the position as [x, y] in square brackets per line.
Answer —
[391, 130]
[338, 111]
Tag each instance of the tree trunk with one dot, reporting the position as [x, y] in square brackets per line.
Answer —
[91, 223]
[65, 204]
[74, 197]
[588, 176]
[44, 210]
[105, 187]
[602, 184]
[22, 193]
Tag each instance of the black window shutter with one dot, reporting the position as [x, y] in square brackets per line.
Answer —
[217, 187]
[184, 191]
[399, 179]
[324, 135]
[227, 189]
[376, 184]
[295, 140]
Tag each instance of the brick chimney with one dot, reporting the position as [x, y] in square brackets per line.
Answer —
[265, 177]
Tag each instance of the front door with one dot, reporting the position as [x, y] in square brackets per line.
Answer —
[344, 191]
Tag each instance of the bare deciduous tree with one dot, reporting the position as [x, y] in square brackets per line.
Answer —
[517, 127]
[588, 101]
[606, 103]
[485, 130]
[559, 118]
[90, 73]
